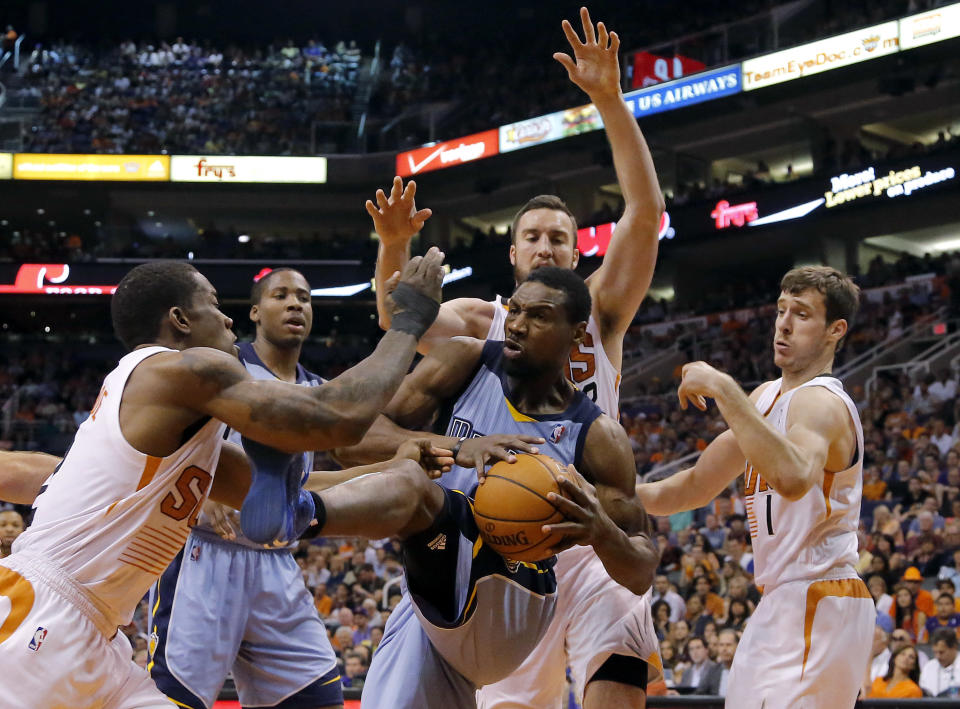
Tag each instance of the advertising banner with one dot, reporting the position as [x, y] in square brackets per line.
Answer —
[553, 126]
[448, 153]
[822, 55]
[6, 166]
[38, 166]
[698, 88]
[929, 27]
[233, 168]
[650, 69]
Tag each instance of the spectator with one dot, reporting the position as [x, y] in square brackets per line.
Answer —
[668, 657]
[662, 590]
[11, 527]
[715, 533]
[323, 600]
[737, 616]
[900, 681]
[941, 676]
[878, 589]
[951, 571]
[690, 674]
[905, 614]
[712, 603]
[679, 635]
[660, 611]
[715, 679]
[879, 657]
[945, 617]
[922, 599]
[342, 640]
[354, 670]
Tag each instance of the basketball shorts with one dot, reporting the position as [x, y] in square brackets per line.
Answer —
[806, 646]
[467, 616]
[58, 650]
[221, 608]
[595, 618]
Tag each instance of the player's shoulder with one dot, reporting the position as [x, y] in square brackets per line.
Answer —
[475, 312]
[203, 363]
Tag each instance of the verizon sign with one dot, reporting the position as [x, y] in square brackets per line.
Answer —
[448, 154]
[235, 168]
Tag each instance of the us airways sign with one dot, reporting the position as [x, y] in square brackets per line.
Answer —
[690, 90]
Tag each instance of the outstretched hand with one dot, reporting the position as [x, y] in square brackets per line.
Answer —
[596, 69]
[396, 218]
[435, 461]
[699, 382]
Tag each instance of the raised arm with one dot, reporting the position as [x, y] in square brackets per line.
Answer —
[819, 430]
[396, 220]
[23, 473]
[608, 515]
[621, 282]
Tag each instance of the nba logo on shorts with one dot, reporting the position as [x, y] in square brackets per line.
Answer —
[195, 552]
[37, 640]
[557, 433]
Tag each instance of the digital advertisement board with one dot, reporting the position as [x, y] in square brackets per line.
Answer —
[129, 168]
[650, 69]
[6, 166]
[553, 126]
[688, 91]
[822, 55]
[448, 153]
[233, 168]
[929, 27]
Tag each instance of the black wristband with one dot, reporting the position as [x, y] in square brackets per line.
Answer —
[418, 311]
[456, 449]
[320, 514]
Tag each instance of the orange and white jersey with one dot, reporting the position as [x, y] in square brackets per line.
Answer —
[814, 537]
[112, 518]
[590, 368]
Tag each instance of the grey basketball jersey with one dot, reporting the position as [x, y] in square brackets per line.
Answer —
[258, 370]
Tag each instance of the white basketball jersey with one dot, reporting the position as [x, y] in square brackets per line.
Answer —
[814, 537]
[113, 518]
[590, 368]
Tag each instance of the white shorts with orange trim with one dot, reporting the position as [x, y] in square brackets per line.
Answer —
[55, 656]
[806, 646]
[595, 618]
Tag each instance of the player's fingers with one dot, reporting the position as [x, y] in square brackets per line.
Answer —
[567, 62]
[573, 491]
[371, 209]
[381, 199]
[525, 447]
[569, 530]
[410, 191]
[602, 36]
[587, 26]
[701, 403]
[396, 189]
[420, 217]
[570, 509]
[614, 42]
[571, 35]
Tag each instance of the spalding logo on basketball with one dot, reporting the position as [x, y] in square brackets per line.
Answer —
[511, 507]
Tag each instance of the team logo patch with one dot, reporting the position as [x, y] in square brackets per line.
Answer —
[558, 432]
[39, 635]
[195, 552]
[512, 566]
[152, 643]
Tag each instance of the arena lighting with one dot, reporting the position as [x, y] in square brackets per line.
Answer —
[243, 238]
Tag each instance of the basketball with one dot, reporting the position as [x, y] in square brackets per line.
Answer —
[512, 506]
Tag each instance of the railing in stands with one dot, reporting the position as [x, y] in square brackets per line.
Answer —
[925, 361]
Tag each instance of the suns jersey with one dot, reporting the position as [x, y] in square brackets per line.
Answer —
[113, 518]
[814, 537]
[590, 368]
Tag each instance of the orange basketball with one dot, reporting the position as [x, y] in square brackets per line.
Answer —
[511, 506]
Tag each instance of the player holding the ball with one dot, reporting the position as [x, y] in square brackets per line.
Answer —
[466, 388]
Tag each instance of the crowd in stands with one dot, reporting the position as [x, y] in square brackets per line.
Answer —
[188, 97]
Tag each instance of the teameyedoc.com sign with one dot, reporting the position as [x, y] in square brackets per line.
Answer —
[822, 55]
[251, 168]
[130, 168]
[928, 27]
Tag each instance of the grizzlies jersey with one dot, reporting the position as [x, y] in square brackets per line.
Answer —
[258, 370]
[814, 537]
[590, 368]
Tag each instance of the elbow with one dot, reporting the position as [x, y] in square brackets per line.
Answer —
[384, 322]
[795, 487]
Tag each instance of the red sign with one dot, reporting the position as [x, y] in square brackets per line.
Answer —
[49, 279]
[650, 69]
[726, 214]
[449, 153]
[594, 240]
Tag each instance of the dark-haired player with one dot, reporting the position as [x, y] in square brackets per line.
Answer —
[799, 444]
[227, 604]
[544, 233]
[517, 386]
[121, 504]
